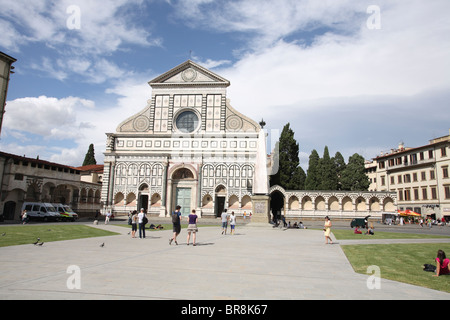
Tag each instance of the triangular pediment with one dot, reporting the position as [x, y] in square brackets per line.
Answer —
[189, 74]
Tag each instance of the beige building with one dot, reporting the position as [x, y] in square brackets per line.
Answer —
[24, 179]
[5, 70]
[419, 176]
[92, 173]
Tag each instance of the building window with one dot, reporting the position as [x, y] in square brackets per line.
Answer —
[423, 175]
[400, 195]
[392, 180]
[424, 194]
[432, 177]
[383, 181]
[407, 195]
[443, 152]
[416, 193]
[445, 172]
[187, 122]
[399, 179]
[415, 176]
[430, 154]
[447, 192]
[433, 193]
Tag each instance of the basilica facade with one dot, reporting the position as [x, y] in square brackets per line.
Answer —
[187, 147]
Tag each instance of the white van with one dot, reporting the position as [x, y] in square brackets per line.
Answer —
[40, 211]
[65, 212]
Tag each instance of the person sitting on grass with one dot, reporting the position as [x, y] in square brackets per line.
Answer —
[442, 265]
[357, 231]
[370, 231]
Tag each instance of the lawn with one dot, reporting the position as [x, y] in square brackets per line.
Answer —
[398, 262]
[342, 234]
[26, 234]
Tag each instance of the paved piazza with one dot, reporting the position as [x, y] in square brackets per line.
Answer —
[258, 263]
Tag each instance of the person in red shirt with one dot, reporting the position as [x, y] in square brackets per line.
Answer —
[442, 264]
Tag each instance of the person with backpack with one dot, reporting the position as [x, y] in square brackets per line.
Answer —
[176, 222]
[142, 219]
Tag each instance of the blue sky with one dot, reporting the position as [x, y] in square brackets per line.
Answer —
[357, 76]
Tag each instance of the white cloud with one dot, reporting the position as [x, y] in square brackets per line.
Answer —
[74, 119]
[105, 27]
[265, 22]
[51, 118]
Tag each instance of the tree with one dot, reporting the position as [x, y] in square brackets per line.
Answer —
[290, 175]
[353, 176]
[327, 172]
[90, 156]
[312, 181]
[299, 179]
[339, 166]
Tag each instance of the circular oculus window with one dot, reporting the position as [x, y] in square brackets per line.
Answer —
[187, 121]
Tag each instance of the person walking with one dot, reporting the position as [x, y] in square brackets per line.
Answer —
[141, 218]
[327, 230]
[192, 227]
[24, 217]
[232, 222]
[107, 217]
[176, 222]
[224, 217]
[134, 219]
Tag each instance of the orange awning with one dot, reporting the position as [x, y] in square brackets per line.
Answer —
[408, 213]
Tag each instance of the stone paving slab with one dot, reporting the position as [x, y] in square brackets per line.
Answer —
[257, 263]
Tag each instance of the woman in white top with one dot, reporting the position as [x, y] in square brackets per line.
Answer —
[134, 218]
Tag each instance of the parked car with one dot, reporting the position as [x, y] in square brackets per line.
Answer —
[40, 211]
[360, 222]
[65, 212]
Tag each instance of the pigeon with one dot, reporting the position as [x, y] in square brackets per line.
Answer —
[38, 239]
[102, 245]
[3, 234]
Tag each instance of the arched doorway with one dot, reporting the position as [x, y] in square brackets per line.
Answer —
[143, 197]
[9, 210]
[277, 204]
[220, 197]
[184, 186]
